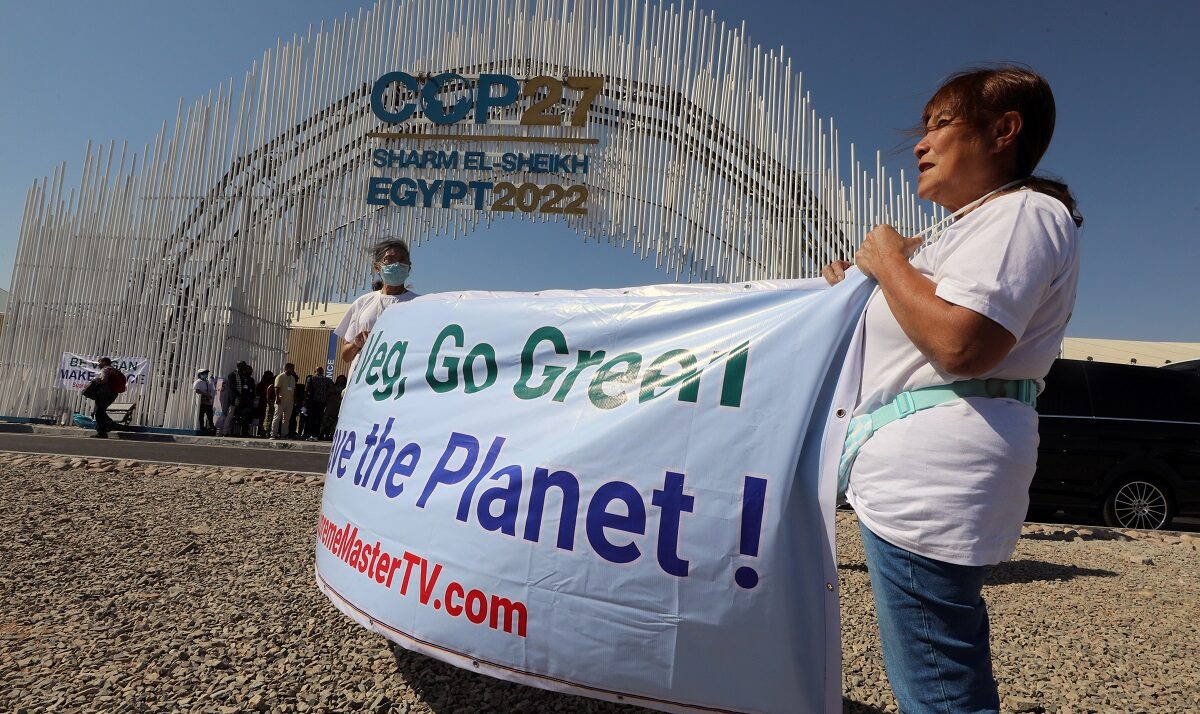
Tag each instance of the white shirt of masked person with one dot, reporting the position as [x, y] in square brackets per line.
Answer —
[952, 482]
[365, 311]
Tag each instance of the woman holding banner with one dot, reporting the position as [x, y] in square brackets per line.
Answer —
[393, 263]
[943, 445]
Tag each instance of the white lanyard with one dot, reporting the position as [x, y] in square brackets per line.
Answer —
[954, 216]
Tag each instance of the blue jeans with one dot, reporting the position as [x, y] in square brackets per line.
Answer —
[934, 627]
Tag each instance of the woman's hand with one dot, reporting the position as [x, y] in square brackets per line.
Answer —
[835, 272]
[351, 349]
[958, 340]
[882, 248]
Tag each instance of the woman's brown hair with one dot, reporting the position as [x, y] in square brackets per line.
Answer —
[980, 96]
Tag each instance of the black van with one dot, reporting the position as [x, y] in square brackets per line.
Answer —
[1118, 441]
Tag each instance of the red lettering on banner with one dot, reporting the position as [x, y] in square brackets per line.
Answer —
[499, 613]
[381, 570]
[410, 560]
[374, 558]
[455, 590]
[476, 614]
[427, 585]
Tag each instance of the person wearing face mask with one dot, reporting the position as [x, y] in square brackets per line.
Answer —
[393, 264]
[958, 338]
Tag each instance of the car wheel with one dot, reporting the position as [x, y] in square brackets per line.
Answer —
[1138, 502]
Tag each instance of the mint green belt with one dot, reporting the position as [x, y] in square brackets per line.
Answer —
[863, 426]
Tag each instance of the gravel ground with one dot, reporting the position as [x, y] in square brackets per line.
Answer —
[192, 590]
[1082, 620]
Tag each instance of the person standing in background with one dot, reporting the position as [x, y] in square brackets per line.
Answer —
[333, 407]
[268, 408]
[285, 395]
[260, 425]
[316, 389]
[240, 384]
[296, 420]
[205, 392]
[221, 406]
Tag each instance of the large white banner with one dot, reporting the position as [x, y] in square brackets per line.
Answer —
[625, 494]
[75, 371]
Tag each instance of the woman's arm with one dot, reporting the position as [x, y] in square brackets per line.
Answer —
[958, 340]
[351, 349]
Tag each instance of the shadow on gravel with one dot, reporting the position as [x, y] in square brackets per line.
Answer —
[849, 706]
[1029, 571]
[1097, 534]
[1021, 571]
[438, 684]
[446, 689]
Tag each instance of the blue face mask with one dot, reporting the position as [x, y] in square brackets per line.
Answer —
[394, 274]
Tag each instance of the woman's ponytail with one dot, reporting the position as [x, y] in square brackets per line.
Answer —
[1056, 189]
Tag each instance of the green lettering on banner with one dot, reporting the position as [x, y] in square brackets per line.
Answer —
[608, 374]
[522, 389]
[735, 376]
[362, 363]
[491, 371]
[688, 377]
[377, 361]
[586, 359]
[391, 379]
[450, 363]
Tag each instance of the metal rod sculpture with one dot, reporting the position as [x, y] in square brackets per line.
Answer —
[196, 251]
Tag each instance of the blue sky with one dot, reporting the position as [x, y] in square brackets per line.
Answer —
[1125, 76]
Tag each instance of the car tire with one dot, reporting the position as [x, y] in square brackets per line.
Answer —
[1140, 502]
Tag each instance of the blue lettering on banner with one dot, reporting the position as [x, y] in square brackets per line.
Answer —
[481, 490]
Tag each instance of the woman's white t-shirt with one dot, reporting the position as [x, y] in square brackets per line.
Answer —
[366, 310]
[952, 482]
